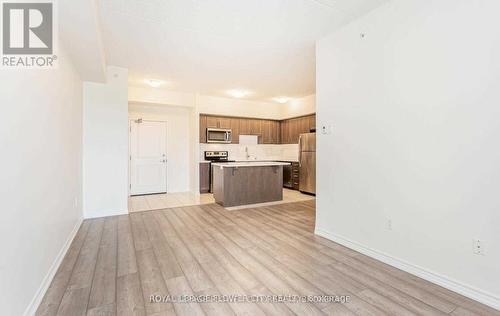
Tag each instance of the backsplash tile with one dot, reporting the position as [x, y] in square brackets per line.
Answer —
[287, 152]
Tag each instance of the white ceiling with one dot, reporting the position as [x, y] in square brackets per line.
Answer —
[209, 46]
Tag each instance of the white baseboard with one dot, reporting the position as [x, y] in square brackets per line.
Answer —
[444, 281]
[98, 214]
[37, 299]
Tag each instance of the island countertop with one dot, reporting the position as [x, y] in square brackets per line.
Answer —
[250, 164]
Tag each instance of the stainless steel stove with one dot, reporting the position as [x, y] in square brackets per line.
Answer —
[216, 156]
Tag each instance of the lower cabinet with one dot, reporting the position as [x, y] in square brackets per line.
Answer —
[204, 177]
[295, 175]
[291, 178]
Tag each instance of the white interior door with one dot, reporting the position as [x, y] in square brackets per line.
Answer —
[148, 157]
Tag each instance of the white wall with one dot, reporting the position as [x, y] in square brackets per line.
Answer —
[160, 96]
[224, 106]
[79, 28]
[299, 107]
[105, 145]
[414, 107]
[41, 139]
[178, 140]
[238, 107]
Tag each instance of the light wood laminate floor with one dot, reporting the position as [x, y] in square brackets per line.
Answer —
[141, 203]
[115, 264]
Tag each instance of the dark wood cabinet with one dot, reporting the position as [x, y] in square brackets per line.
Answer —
[285, 135]
[312, 122]
[203, 129]
[204, 177]
[244, 126]
[212, 122]
[292, 128]
[266, 132]
[295, 175]
[235, 130]
[294, 131]
[224, 122]
[218, 122]
[269, 131]
[304, 125]
[256, 127]
[275, 132]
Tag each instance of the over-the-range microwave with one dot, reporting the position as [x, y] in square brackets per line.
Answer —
[219, 135]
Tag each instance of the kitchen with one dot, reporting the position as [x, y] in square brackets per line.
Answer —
[171, 134]
[269, 151]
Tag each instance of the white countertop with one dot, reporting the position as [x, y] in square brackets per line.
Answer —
[250, 164]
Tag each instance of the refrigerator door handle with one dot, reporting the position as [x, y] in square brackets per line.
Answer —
[300, 150]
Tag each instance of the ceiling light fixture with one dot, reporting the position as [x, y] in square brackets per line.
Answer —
[154, 83]
[281, 100]
[235, 93]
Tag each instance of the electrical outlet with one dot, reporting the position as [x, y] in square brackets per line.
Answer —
[389, 224]
[326, 129]
[478, 247]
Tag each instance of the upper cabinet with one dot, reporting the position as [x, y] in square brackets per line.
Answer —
[269, 131]
[244, 126]
[212, 122]
[224, 122]
[312, 122]
[292, 128]
[235, 130]
[256, 127]
[203, 129]
[218, 122]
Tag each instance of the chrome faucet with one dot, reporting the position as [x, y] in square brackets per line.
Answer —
[247, 154]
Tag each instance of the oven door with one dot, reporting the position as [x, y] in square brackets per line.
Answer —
[215, 135]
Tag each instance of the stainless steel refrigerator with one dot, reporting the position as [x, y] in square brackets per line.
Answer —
[307, 163]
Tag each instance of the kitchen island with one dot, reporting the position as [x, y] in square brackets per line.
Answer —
[243, 183]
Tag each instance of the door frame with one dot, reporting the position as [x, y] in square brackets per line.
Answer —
[131, 120]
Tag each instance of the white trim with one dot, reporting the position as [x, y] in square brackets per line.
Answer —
[101, 213]
[444, 281]
[37, 299]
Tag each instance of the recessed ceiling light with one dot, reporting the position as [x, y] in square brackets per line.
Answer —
[281, 100]
[235, 93]
[154, 83]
